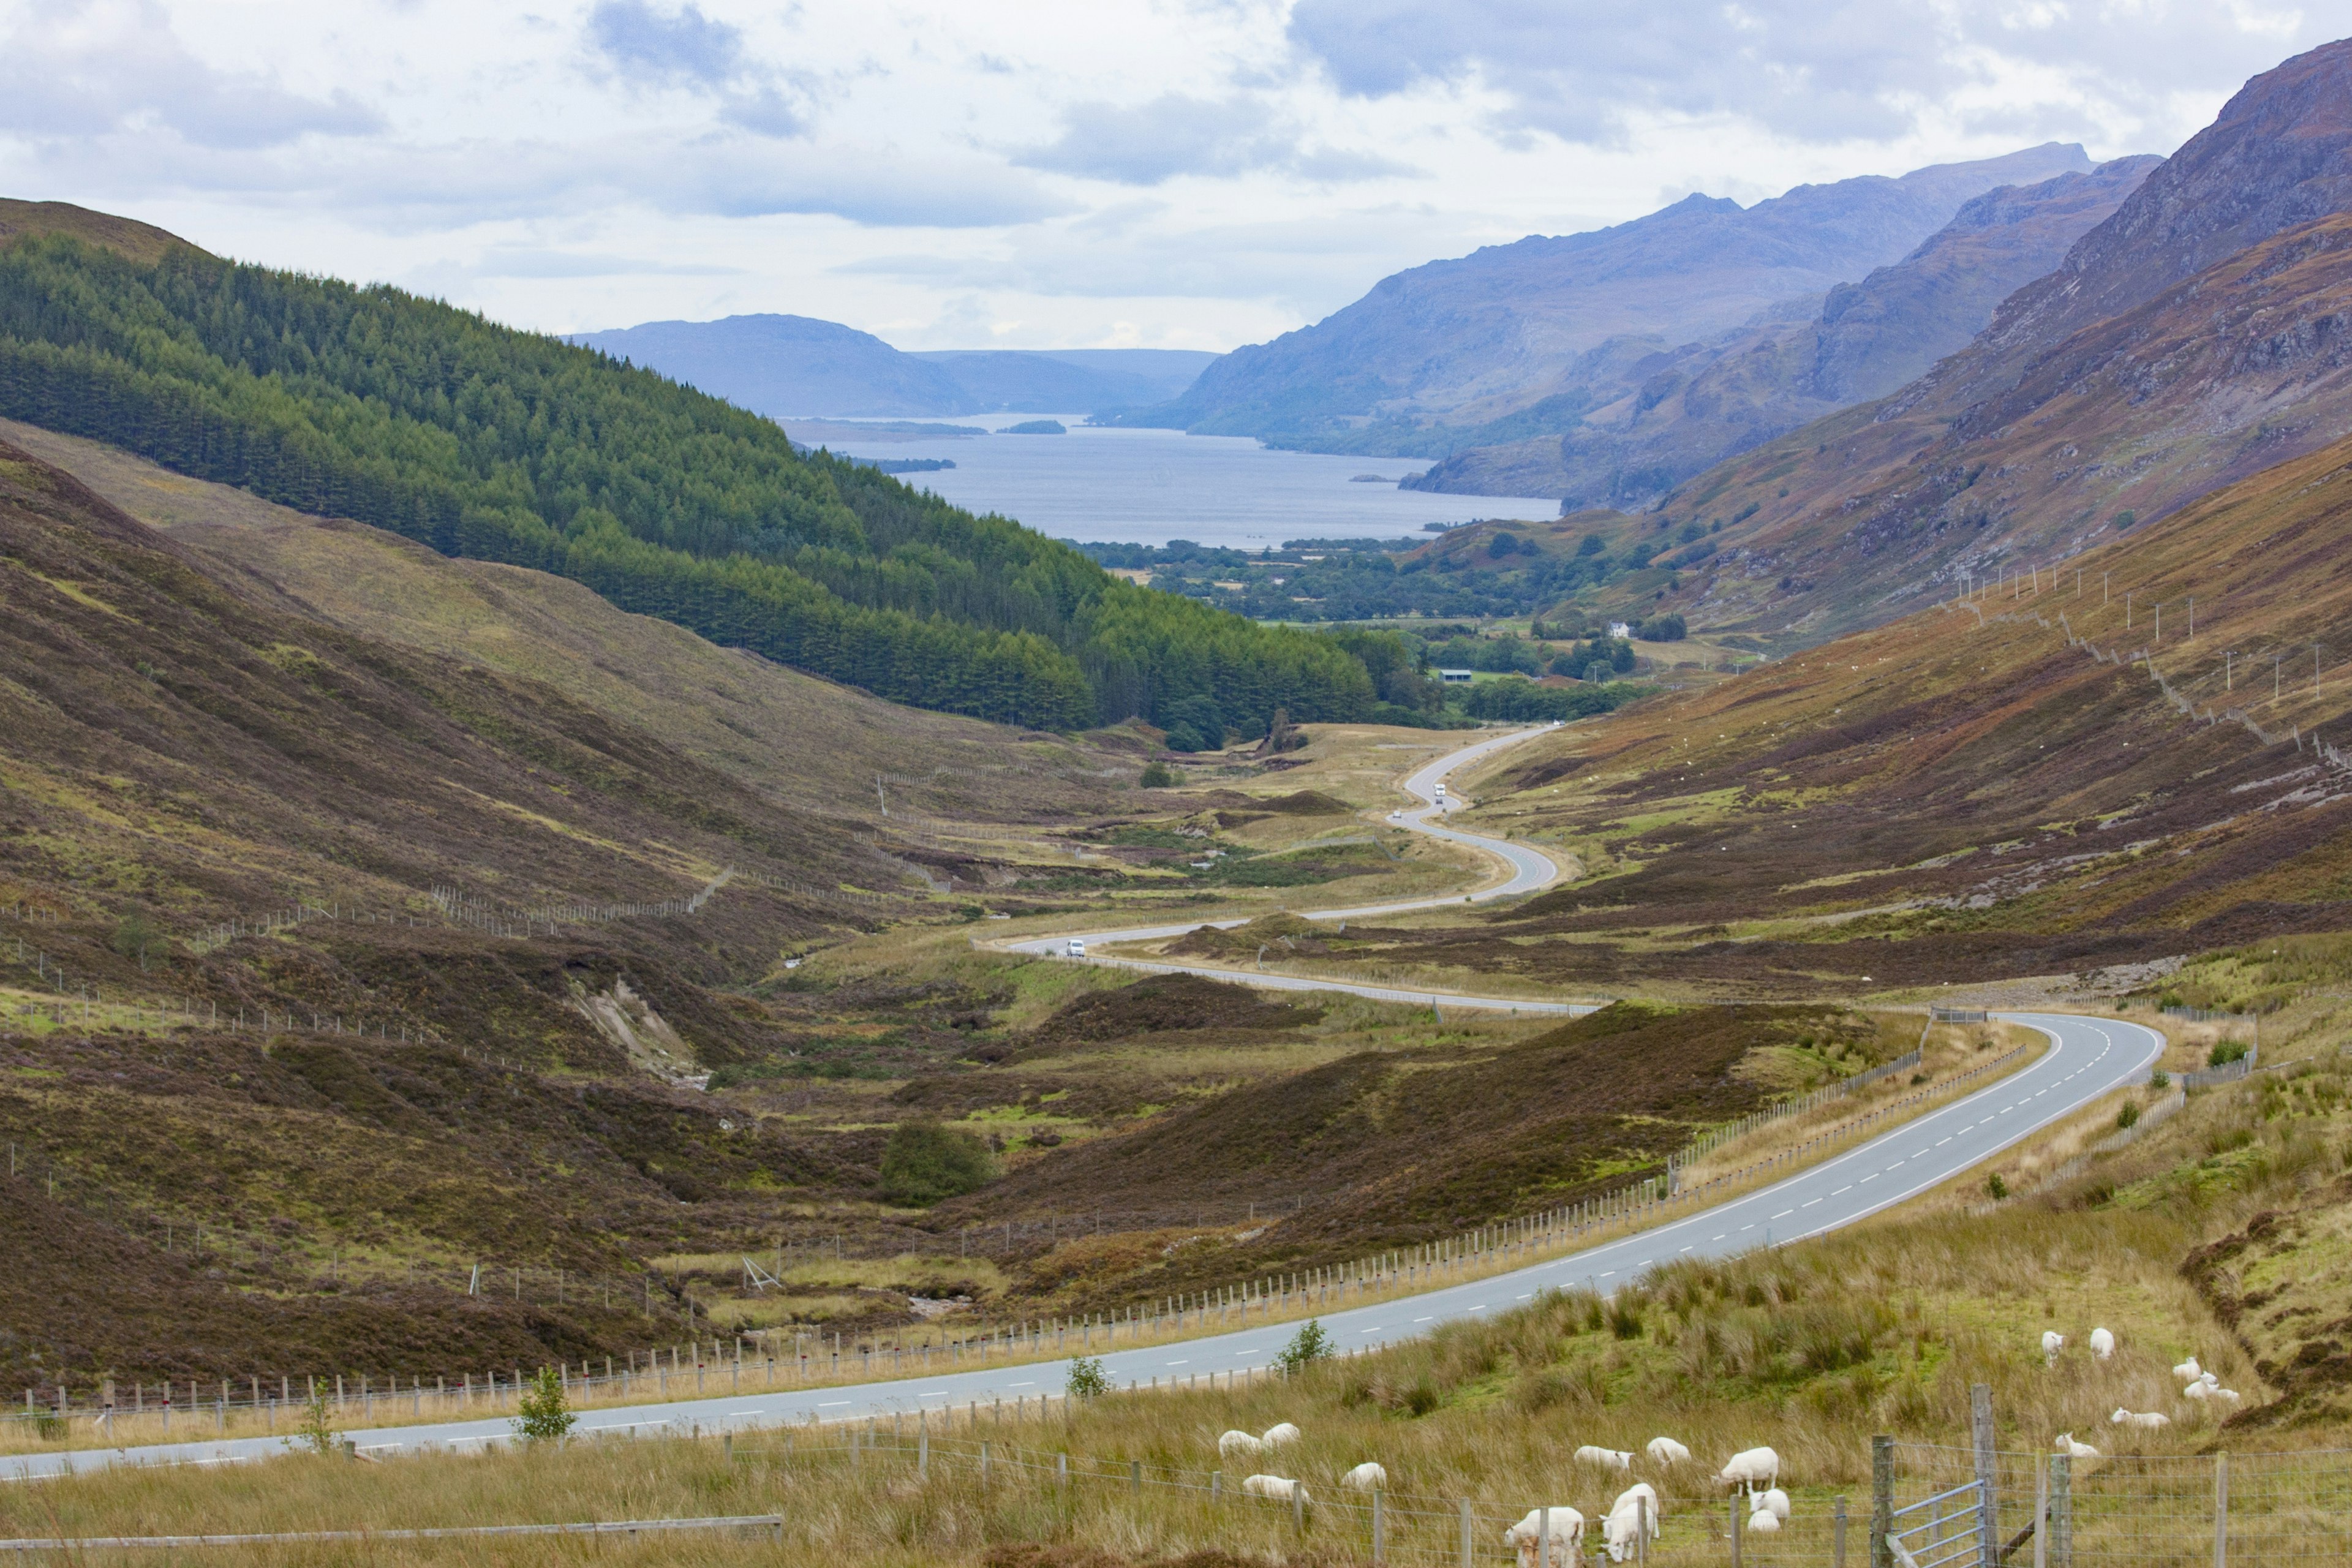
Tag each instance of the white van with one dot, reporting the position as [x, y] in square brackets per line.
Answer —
[1076, 948]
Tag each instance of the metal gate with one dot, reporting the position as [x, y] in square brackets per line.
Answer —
[1945, 1530]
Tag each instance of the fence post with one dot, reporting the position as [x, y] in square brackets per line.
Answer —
[1135, 1476]
[1467, 1559]
[1988, 1472]
[2061, 1511]
[984, 1459]
[1298, 1508]
[2221, 1511]
[2041, 1511]
[1882, 1499]
[1379, 1529]
[1738, 1521]
[922, 1453]
[1837, 1522]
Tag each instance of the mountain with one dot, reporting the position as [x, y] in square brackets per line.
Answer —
[503, 446]
[1526, 328]
[796, 366]
[1667, 415]
[785, 365]
[2193, 338]
[124, 237]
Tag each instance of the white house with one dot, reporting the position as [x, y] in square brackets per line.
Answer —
[1620, 630]
[1455, 676]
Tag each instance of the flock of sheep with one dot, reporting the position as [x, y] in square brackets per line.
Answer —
[2202, 1386]
[1553, 1537]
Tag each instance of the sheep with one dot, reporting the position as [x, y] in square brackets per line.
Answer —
[1775, 1502]
[2188, 1370]
[2196, 1390]
[2053, 1342]
[1366, 1477]
[1607, 1458]
[1666, 1451]
[2146, 1420]
[1565, 1547]
[1634, 1512]
[1238, 1445]
[2074, 1450]
[1279, 1488]
[2103, 1343]
[2220, 1393]
[1749, 1466]
[1276, 1435]
[1762, 1522]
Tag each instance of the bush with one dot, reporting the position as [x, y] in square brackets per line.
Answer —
[2224, 1052]
[1087, 1378]
[1159, 775]
[316, 1428]
[2130, 1115]
[925, 1162]
[1997, 1188]
[546, 1415]
[1310, 1345]
[2160, 1080]
[134, 938]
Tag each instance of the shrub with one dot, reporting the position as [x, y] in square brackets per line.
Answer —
[1159, 775]
[2224, 1052]
[1998, 1188]
[316, 1428]
[1087, 1378]
[546, 1416]
[134, 938]
[2160, 1080]
[925, 1162]
[2130, 1115]
[1420, 1399]
[1310, 1345]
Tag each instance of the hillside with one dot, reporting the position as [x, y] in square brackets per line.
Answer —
[2189, 341]
[1678, 413]
[1533, 328]
[124, 237]
[2036, 781]
[504, 446]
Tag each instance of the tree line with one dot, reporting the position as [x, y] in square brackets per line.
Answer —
[484, 441]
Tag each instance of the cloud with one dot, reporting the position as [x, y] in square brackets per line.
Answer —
[1173, 134]
[684, 48]
[88, 67]
[1813, 70]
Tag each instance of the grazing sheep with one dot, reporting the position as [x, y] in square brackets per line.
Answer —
[2188, 1370]
[2198, 1390]
[2103, 1343]
[1238, 1445]
[2220, 1393]
[1762, 1522]
[1564, 1549]
[1607, 1458]
[2146, 1420]
[1666, 1451]
[2074, 1450]
[1752, 1468]
[1635, 1510]
[2053, 1342]
[1276, 1435]
[1774, 1502]
[1366, 1477]
[1281, 1488]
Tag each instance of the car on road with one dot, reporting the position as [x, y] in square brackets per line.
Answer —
[1076, 948]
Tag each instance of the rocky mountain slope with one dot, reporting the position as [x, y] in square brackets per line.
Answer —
[2193, 338]
[1529, 328]
[1673, 414]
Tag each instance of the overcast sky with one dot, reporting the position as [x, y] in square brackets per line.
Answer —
[1041, 174]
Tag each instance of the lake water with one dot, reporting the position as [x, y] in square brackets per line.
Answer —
[1148, 487]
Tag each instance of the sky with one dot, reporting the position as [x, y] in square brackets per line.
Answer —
[1154, 173]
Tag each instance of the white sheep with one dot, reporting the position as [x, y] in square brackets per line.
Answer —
[2146, 1420]
[1607, 1458]
[2188, 1370]
[1751, 1468]
[1774, 1502]
[1279, 1488]
[1366, 1477]
[1276, 1435]
[2103, 1343]
[2074, 1450]
[1564, 1549]
[2199, 1390]
[1238, 1444]
[1666, 1451]
[2053, 1342]
[2220, 1393]
[1635, 1509]
[1762, 1522]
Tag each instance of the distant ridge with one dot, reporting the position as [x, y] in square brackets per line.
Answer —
[123, 236]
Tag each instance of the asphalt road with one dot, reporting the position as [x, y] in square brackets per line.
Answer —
[1530, 870]
[2088, 1056]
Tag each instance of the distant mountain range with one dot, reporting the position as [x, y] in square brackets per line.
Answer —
[787, 366]
[1530, 338]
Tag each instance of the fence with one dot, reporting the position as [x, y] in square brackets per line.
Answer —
[1795, 1105]
[769, 1521]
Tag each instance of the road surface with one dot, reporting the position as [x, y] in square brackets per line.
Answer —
[2088, 1058]
[1530, 870]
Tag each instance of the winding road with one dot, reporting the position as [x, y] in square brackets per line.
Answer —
[2088, 1058]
